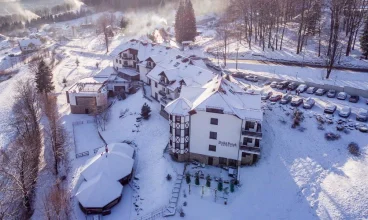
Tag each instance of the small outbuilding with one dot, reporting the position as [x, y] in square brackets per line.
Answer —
[99, 194]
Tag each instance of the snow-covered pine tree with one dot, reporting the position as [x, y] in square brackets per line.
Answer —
[190, 22]
[43, 78]
[364, 40]
[145, 112]
[179, 22]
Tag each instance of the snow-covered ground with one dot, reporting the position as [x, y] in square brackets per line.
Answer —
[299, 175]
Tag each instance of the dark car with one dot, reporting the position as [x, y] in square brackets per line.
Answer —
[331, 93]
[354, 99]
[286, 99]
[282, 85]
[293, 86]
[320, 92]
[275, 97]
[296, 101]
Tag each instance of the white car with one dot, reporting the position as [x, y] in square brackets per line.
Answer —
[342, 95]
[362, 115]
[330, 108]
[345, 112]
[301, 88]
[308, 103]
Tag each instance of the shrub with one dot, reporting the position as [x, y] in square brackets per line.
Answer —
[145, 111]
[185, 203]
[331, 136]
[196, 179]
[354, 149]
[64, 80]
[182, 214]
[187, 178]
[168, 177]
[208, 181]
[298, 117]
[220, 185]
[232, 186]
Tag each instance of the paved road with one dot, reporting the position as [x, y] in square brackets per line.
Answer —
[291, 63]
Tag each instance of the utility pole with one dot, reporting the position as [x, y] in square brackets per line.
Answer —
[237, 53]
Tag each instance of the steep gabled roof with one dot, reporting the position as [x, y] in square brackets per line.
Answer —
[223, 94]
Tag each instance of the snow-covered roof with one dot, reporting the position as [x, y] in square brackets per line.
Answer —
[114, 163]
[222, 93]
[90, 84]
[105, 72]
[147, 50]
[26, 42]
[120, 148]
[98, 191]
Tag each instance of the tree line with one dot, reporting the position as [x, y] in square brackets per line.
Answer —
[335, 24]
[46, 19]
[40, 141]
[127, 4]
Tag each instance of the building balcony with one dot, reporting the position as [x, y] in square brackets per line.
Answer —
[162, 93]
[127, 57]
[252, 133]
[149, 66]
[251, 150]
[165, 100]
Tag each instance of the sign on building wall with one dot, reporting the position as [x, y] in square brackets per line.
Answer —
[227, 144]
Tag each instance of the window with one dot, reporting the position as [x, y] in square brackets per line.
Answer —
[117, 60]
[247, 140]
[125, 63]
[212, 148]
[170, 117]
[245, 154]
[163, 89]
[170, 129]
[177, 132]
[120, 61]
[170, 142]
[177, 145]
[249, 124]
[177, 119]
[213, 135]
[215, 110]
[149, 81]
[186, 132]
[186, 145]
[214, 121]
[156, 84]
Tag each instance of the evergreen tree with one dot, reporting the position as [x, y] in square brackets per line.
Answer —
[187, 178]
[77, 62]
[190, 22]
[179, 18]
[232, 186]
[185, 22]
[219, 185]
[364, 40]
[43, 78]
[197, 179]
[208, 181]
[146, 110]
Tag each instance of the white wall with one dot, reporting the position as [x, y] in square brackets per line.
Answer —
[101, 98]
[143, 72]
[228, 130]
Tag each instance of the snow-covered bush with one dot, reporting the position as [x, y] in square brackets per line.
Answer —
[168, 177]
[297, 117]
[185, 203]
[146, 111]
[354, 149]
[208, 181]
[182, 214]
[220, 185]
[187, 178]
[331, 136]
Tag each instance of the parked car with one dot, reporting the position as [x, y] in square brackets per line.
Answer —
[296, 101]
[311, 90]
[301, 88]
[354, 99]
[320, 92]
[342, 95]
[252, 78]
[362, 115]
[345, 112]
[331, 93]
[275, 97]
[308, 103]
[273, 84]
[266, 95]
[282, 85]
[293, 86]
[330, 109]
[286, 99]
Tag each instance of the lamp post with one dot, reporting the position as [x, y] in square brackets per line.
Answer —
[237, 53]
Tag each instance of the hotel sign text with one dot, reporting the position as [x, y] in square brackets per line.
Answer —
[226, 144]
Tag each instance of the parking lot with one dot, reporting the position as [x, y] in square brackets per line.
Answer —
[342, 107]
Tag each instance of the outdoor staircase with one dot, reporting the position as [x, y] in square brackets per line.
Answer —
[175, 194]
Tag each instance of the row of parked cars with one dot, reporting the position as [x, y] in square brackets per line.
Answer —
[314, 90]
[309, 102]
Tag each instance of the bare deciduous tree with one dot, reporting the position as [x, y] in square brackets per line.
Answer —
[56, 203]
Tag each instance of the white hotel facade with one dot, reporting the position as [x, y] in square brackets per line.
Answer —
[218, 124]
